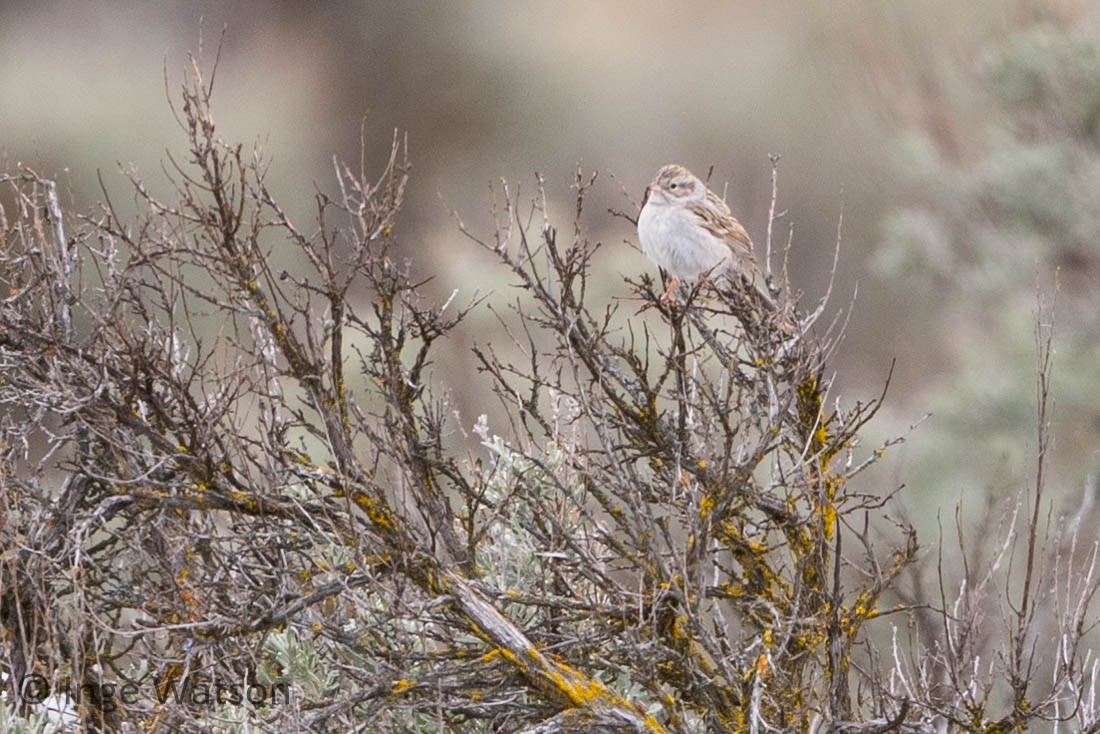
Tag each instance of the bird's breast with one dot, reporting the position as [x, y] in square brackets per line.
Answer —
[671, 238]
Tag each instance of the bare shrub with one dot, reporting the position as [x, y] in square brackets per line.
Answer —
[233, 497]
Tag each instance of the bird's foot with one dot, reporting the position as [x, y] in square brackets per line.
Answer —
[666, 297]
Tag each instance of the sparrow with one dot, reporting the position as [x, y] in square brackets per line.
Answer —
[689, 232]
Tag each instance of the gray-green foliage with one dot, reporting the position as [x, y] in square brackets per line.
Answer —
[301, 663]
[12, 723]
[990, 219]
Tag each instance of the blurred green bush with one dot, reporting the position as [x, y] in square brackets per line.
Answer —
[986, 231]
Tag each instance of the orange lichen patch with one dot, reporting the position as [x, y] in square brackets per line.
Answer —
[706, 505]
[828, 519]
[378, 512]
[862, 609]
[729, 590]
[578, 689]
[814, 424]
[581, 690]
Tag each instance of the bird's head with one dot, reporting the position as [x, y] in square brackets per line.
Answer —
[675, 185]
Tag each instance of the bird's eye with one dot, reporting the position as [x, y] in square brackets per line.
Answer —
[673, 185]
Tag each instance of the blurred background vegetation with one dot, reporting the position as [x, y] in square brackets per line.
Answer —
[960, 140]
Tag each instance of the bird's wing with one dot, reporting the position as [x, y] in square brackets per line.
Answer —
[716, 218]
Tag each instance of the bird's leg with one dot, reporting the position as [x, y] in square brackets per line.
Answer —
[666, 298]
